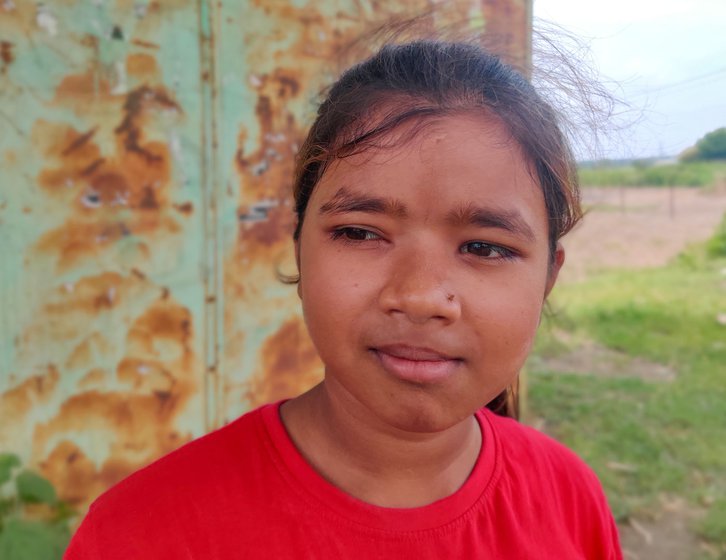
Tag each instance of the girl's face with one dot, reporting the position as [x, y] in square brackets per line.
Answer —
[423, 270]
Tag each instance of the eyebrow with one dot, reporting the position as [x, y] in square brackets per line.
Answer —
[345, 201]
[508, 220]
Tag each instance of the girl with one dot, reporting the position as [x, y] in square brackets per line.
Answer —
[431, 193]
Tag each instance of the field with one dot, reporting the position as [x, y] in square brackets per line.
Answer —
[692, 174]
[630, 365]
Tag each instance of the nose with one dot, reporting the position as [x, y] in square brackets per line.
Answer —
[419, 287]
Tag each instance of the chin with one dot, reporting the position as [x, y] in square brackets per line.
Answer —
[425, 415]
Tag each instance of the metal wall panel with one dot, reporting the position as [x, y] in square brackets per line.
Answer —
[101, 229]
[146, 153]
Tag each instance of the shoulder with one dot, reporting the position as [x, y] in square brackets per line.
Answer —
[542, 479]
[535, 468]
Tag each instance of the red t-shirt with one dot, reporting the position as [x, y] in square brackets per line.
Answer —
[244, 491]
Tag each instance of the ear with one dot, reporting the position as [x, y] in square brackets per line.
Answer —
[557, 262]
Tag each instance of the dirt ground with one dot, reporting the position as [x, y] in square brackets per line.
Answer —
[639, 227]
[636, 228]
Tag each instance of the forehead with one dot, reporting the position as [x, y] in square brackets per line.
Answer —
[452, 160]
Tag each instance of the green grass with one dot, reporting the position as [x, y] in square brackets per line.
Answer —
[713, 527]
[716, 246]
[645, 438]
[692, 174]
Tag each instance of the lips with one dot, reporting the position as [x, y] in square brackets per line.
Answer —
[416, 364]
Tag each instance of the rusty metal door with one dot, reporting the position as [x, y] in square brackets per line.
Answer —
[146, 153]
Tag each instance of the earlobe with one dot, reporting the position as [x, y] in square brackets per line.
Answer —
[557, 262]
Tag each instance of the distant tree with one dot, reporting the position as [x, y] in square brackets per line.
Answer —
[689, 154]
[711, 146]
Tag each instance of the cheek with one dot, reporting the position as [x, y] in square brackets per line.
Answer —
[331, 278]
[508, 316]
[332, 304]
[327, 289]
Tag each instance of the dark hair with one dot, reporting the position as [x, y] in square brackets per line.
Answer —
[421, 79]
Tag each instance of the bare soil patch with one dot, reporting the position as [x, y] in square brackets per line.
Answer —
[591, 358]
[639, 227]
[665, 536]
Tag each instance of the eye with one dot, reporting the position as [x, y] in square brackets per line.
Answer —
[487, 250]
[354, 234]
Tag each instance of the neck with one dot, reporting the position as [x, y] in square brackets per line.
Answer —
[375, 462]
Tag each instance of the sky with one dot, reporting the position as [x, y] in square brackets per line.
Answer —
[665, 58]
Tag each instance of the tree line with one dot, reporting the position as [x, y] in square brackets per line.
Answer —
[711, 146]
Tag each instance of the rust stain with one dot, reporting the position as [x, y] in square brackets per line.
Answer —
[93, 379]
[130, 129]
[73, 471]
[142, 66]
[145, 44]
[156, 379]
[75, 242]
[90, 41]
[288, 86]
[135, 176]
[85, 354]
[90, 294]
[6, 55]
[78, 142]
[164, 320]
[148, 199]
[139, 274]
[35, 390]
[235, 290]
[290, 365]
[312, 24]
[264, 111]
[93, 166]
[161, 8]
[65, 314]
[140, 428]
[107, 187]
[276, 227]
[61, 142]
[185, 208]
[267, 172]
[76, 91]
[149, 376]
